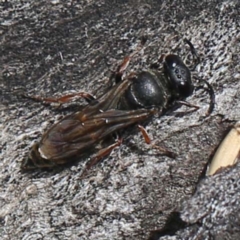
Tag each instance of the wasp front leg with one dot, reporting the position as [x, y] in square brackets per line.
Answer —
[117, 75]
[121, 68]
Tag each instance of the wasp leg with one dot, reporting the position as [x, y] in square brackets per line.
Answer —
[117, 75]
[121, 68]
[64, 99]
[149, 141]
[101, 154]
[185, 103]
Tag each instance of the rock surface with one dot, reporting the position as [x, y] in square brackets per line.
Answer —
[50, 48]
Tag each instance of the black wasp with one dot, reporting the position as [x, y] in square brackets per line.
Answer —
[130, 101]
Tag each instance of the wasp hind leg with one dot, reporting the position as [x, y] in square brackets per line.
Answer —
[100, 154]
[63, 99]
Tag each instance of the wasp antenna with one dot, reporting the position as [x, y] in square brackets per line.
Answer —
[194, 53]
[211, 94]
[212, 97]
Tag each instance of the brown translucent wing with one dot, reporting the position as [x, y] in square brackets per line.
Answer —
[78, 132]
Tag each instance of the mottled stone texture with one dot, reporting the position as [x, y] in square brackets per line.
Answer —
[50, 48]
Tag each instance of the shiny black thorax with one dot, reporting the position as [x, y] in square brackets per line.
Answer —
[154, 88]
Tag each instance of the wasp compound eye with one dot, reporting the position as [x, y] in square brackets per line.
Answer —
[179, 75]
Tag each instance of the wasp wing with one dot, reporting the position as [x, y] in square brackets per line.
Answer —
[73, 135]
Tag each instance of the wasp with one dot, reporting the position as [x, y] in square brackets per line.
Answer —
[131, 101]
